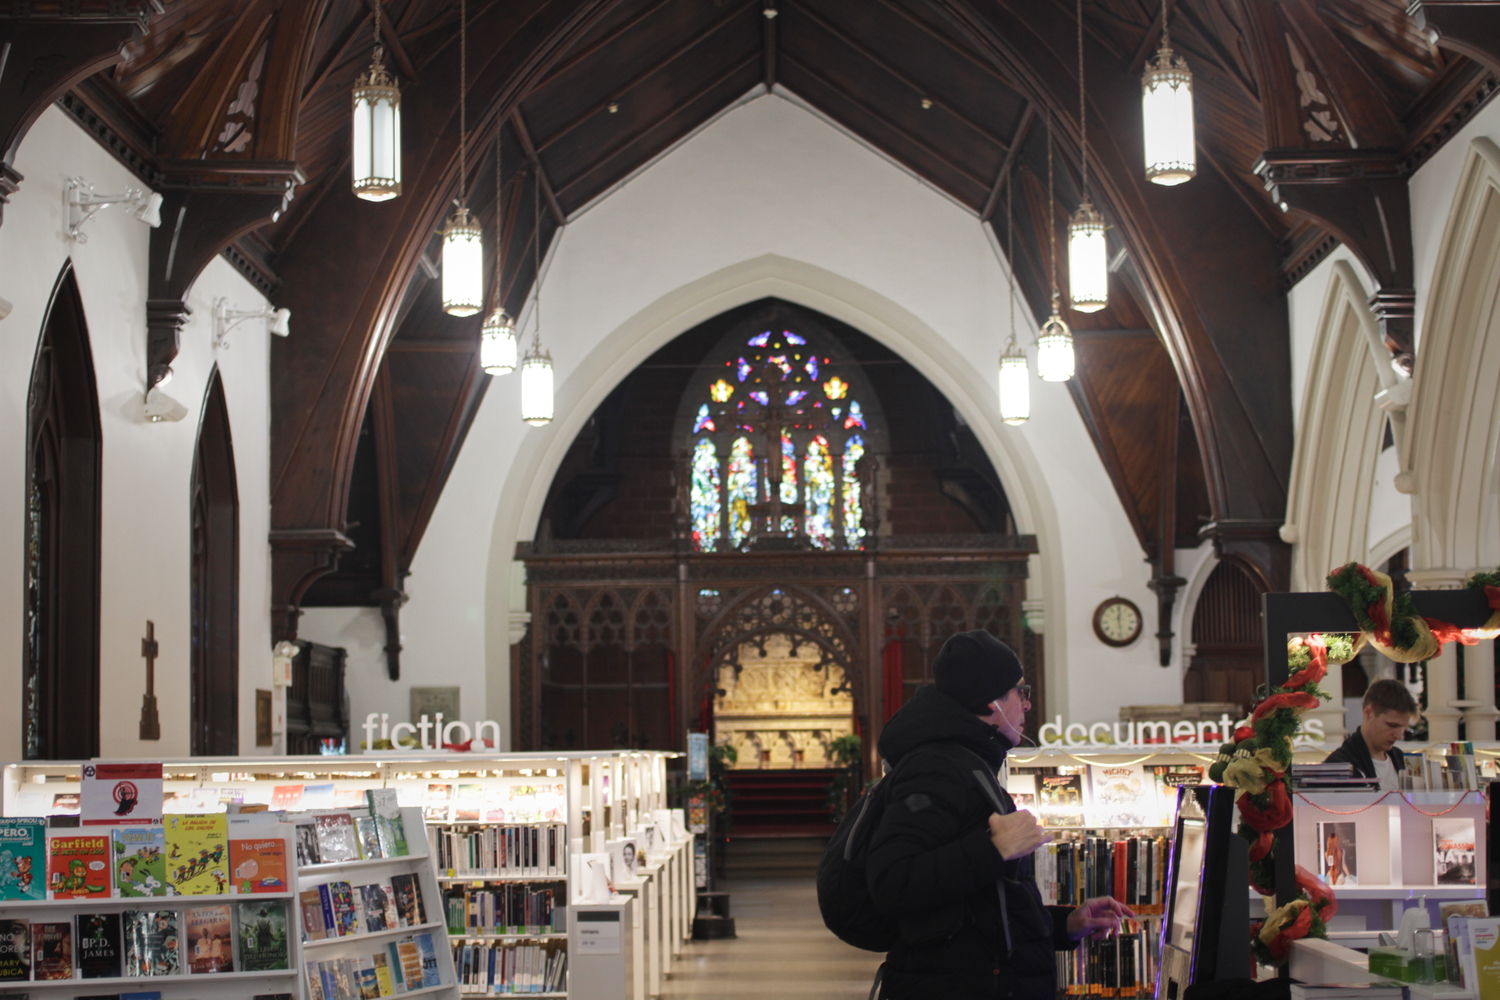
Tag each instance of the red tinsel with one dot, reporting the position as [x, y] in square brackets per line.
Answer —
[1287, 699]
[1446, 632]
[1274, 816]
[1316, 668]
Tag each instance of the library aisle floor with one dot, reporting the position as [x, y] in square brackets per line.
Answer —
[783, 949]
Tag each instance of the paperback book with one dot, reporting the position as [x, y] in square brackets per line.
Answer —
[1123, 795]
[152, 947]
[15, 951]
[1167, 779]
[336, 838]
[368, 836]
[52, 951]
[409, 908]
[307, 844]
[258, 865]
[345, 915]
[100, 949]
[386, 810]
[197, 854]
[209, 944]
[262, 936]
[23, 858]
[140, 861]
[1022, 789]
[1453, 854]
[1338, 861]
[78, 867]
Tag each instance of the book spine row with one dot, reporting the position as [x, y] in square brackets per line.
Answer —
[1132, 870]
[1122, 966]
[494, 968]
[532, 850]
[400, 967]
[509, 909]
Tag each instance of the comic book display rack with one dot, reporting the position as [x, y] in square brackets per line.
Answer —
[508, 924]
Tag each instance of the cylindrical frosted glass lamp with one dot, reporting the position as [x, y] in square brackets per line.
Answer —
[536, 386]
[1015, 386]
[1054, 351]
[1167, 114]
[376, 157]
[1088, 260]
[463, 266]
[497, 343]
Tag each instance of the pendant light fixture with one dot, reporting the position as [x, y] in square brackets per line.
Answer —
[463, 244]
[1015, 377]
[536, 369]
[1088, 260]
[1167, 114]
[497, 338]
[376, 156]
[1054, 344]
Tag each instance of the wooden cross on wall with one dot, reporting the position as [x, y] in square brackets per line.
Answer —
[150, 721]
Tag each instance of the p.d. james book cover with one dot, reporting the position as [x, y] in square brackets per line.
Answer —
[100, 950]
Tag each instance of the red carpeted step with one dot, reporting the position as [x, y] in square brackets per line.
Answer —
[781, 803]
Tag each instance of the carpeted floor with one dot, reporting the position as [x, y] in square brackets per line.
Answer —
[783, 950]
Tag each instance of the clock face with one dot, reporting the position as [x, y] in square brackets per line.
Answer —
[1117, 622]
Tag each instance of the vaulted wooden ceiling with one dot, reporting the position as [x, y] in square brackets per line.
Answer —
[1311, 115]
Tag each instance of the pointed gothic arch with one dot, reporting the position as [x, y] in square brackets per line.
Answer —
[215, 586]
[60, 666]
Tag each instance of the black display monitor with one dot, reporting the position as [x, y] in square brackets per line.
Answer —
[1205, 931]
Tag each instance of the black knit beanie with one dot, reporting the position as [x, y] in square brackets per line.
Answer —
[975, 668]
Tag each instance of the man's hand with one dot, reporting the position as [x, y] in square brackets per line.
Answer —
[1097, 918]
[1017, 834]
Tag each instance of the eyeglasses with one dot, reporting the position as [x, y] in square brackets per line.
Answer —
[1024, 690]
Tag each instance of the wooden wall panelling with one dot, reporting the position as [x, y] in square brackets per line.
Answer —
[47, 51]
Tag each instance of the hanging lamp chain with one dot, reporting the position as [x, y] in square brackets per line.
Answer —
[1083, 120]
[463, 93]
[1051, 224]
[536, 246]
[499, 216]
[377, 27]
[1165, 43]
[1010, 257]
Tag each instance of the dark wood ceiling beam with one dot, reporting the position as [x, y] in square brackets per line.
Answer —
[650, 129]
[392, 39]
[1028, 117]
[335, 58]
[1468, 28]
[579, 56]
[895, 74]
[768, 43]
[619, 93]
[522, 133]
[979, 63]
[388, 504]
[982, 183]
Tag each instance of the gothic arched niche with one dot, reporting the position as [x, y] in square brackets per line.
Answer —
[215, 582]
[60, 669]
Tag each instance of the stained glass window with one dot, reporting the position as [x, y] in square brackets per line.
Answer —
[854, 512]
[741, 492]
[771, 390]
[705, 498]
[819, 490]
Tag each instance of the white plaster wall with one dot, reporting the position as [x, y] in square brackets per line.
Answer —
[147, 467]
[770, 200]
[1304, 310]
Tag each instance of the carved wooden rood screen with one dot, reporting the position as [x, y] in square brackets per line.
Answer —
[627, 637]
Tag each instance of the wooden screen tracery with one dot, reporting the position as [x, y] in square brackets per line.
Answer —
[626, 638]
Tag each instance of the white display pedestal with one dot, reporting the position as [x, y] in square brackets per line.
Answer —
[603, 951]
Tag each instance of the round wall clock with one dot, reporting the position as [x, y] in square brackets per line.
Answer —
[1117, 622]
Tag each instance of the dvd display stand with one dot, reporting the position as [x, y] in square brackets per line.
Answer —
[230, 944]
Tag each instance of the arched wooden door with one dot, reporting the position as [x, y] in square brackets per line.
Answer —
[215, 582]
[60, 667]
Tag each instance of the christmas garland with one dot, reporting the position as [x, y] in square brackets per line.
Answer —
[1391, 623]
[1255, 763]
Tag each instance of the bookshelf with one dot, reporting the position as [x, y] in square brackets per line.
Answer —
[594, 799]
[234, 921]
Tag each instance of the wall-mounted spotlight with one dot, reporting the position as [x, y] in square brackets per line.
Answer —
[278, 321]
[84, 203]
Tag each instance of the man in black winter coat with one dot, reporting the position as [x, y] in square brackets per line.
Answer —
[957, 874]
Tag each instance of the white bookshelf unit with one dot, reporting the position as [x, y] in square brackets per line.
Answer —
[236, 985]
[590, 799]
